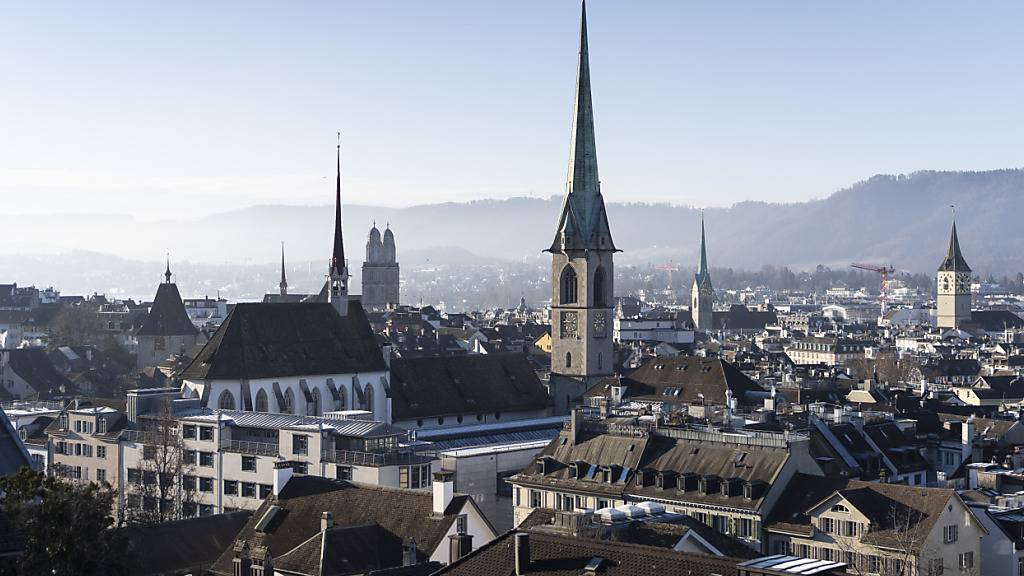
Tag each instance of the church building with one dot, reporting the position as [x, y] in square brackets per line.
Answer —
[953, 281]
[582, 272]
[702, 294]
[380, 271]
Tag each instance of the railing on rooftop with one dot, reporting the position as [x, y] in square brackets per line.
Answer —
[357, 458]
[31, 404]
[247, 447]
[694, 432]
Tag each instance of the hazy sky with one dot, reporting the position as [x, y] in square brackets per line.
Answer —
[157, 109]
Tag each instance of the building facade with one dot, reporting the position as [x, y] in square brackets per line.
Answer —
[380, 271]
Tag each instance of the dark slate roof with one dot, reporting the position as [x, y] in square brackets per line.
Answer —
[995, 320]
[914, 505]
[592, 450]
[667, 535]
[435, 386]
[289, 339]
[399, 514]
[739, 317]
[954, 260]
[790, 512]
[560, 555]
[167, 316]
[898, 448]
[658, 379]
[13, 455]
[36, 368]
[190, 545]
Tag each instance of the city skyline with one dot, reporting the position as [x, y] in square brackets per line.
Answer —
[695, 105]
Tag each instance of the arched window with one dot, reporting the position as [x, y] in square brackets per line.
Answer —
[340, 404]
[568, 359]
[226, 401]
[289, 402]
[568, 284]
[369, 398]
[600, 361]
[316, 402]
[261, 401]
[599, 287]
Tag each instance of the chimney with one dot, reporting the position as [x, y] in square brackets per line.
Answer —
[326, 521]
[522, 553]
[409, 552]
[575, 419]
[282, 474]
[443, 488]
[967, 433]
[458, 546]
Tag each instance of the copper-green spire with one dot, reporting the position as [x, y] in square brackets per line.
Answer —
[583, 222]
[702, 268]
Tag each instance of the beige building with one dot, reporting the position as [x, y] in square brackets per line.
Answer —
[878, 528]
[85, 444]
[826, 350]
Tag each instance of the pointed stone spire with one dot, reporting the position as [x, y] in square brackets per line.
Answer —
[954, 261]
[583, 223]
[167, 273]
[283, 285]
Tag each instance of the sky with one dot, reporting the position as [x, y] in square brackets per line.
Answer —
[157, 109]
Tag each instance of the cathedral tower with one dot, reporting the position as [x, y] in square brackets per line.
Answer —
[953, 281]
[702, 295]
[380, 271]
[582, 272]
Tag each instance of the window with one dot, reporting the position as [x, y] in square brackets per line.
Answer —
[840, 508]
[369, 399]
[149, 452]
[101, 475]
[935, 567]
[827, 525]
[461, 524]
[63, 421]
[248, 490]
[206, 459]
[414, 476]
[248, 463]
[205, 484]
[261, 401]
[535, 499]
[300, 444]
[949, 533]
[78, 425]
[826, 554]
[599, 287]
[206, 509]
[568, 359]
[206, 433]
[849, 528]
[188, 431]
[231, 488]
[102, 425]
[87, 450]
[134, 475]
[189, 457]
[966, 560]
[344, 473]
[746, 528]
[568, 283]
[289, 402]
[226, 401]
[266, 490]
[188, 482]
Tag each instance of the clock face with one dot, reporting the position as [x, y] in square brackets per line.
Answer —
[600, 321]
[963, 282]
[569, 324]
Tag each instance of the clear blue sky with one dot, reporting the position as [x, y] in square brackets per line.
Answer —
[155, 109]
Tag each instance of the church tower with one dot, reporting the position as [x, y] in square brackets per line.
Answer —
[283, 285]
[337, 293]
[953, 281]
[702, 295]
[380, 270]
[582, 272]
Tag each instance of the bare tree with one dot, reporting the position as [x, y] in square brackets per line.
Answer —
[167, 485]
[898, 547]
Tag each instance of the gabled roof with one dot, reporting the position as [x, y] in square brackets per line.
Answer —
[435, 386]
[739, 317]
[197, 543]
[167, 317]
[37, 369]
[682, 379]
[954, 260]
[288, 339]
[398, 514]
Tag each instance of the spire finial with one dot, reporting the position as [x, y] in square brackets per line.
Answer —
[167, 272]
[283, 285]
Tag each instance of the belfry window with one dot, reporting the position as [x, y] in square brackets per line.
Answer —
[568, 284]
[599, 287]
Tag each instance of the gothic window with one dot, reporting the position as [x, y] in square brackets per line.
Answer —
[600, 287]
[369, 398]
[600, 361]
[568, 284]
[226, 401]
[316, 402]
[289, 402]
[340, 404]
[261, 401]
[568, 359]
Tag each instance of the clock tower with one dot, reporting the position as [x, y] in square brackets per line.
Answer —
[582, 273]
[702, 294]
[953, 281]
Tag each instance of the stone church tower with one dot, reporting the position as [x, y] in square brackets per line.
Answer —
[953, 281]
[702, 294]
[582, 272]
[380, 271]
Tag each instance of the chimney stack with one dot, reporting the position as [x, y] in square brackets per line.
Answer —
[409, 552]
[443, 489]
[522, 553]
[326, 521]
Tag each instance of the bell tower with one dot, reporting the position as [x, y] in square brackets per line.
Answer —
[702, 294]
[953, 282]
[582, 271]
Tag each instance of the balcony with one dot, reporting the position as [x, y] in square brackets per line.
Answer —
[355, 458]
[254, 448]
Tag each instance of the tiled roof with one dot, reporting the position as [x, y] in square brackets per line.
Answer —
[277, 340]
[197, 542]
[36, 368]
[435, 386]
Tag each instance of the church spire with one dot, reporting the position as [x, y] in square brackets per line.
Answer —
[167, 272]
[338, 254]
[954, 261]
[284, 281]
[702, 268]
[583, 223]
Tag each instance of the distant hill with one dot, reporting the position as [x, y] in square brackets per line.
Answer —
[900, 220]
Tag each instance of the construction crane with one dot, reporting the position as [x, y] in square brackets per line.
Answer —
[883, 275]
[669, 268]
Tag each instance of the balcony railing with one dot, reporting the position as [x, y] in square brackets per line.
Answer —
[356, 458]
[246, 447]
